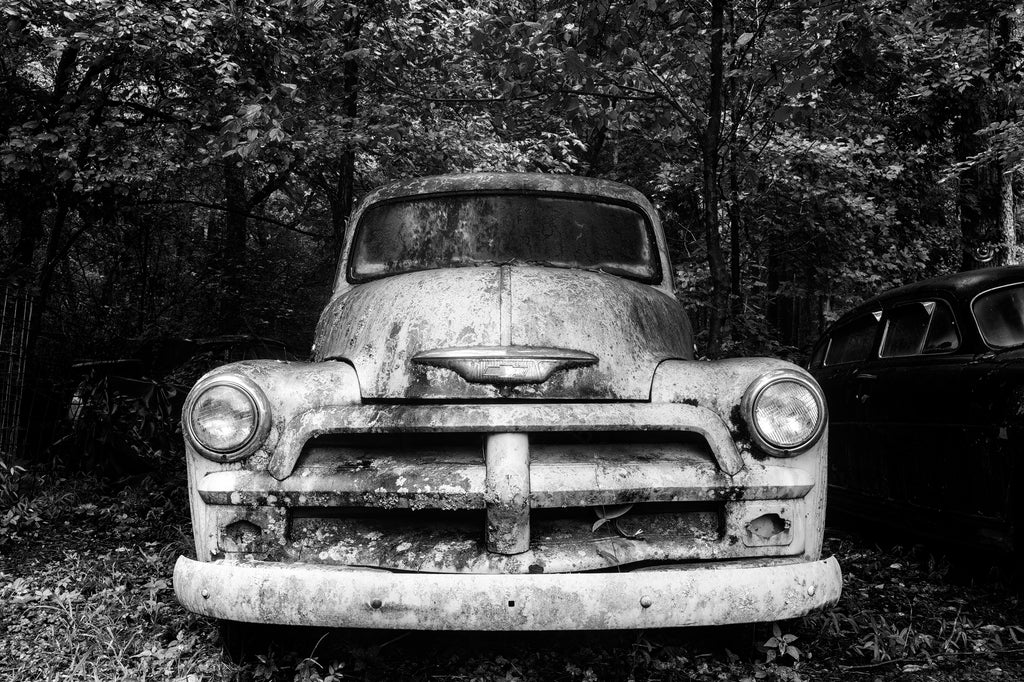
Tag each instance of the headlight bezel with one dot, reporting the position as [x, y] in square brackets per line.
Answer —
[260, 405]
[754, 392]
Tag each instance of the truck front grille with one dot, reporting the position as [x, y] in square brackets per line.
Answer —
[418, 488]
[562, 540]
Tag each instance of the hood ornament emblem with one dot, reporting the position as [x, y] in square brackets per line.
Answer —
[505, 365]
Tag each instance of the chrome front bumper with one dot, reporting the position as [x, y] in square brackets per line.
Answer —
[694, 594]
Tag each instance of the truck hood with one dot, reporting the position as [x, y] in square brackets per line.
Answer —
[381, 325]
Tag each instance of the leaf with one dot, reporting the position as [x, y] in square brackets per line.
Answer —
[612, 512]
[744, 39]
[793, 652]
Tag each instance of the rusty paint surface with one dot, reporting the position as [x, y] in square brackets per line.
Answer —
[502, 418]
[630, 327]
[305, 594]
[561, 543]
[572, 477]
[507, 492]
[373, 463]
[381, 325]
[718, 385]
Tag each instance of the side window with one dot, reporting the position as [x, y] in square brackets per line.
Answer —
[942, 334]
[854, 341]
[1000, 316]
[818, 356]
[919, 328]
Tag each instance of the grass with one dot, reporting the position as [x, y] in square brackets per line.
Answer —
[85, 594]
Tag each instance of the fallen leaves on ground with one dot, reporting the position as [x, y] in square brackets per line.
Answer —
[86, 594]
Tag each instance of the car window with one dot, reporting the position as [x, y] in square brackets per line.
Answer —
[1000, 316]
[922, 327]
[818, 356]
[905, 329]
[943, 336]
[853, 341]
[458, 230]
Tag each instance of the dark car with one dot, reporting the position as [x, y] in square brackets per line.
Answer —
[925, 391]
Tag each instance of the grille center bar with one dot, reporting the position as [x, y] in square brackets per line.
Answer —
[507, 492]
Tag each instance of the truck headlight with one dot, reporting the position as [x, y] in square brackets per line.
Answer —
[785, 411]
[226, 418]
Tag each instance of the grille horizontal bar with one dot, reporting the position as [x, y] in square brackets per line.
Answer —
[503, 418]
[559, 477]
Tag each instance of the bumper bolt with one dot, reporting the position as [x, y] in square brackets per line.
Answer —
[646, 602]
[376, 604]
[810, 590]
[206, 594]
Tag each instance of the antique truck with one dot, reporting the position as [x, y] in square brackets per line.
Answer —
[503, 427]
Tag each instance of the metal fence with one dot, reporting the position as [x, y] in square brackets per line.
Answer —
[15, 317]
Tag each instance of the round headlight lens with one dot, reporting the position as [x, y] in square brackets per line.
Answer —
[224, 418]
[786, 414]
[785, 410]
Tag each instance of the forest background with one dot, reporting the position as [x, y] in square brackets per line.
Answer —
[186, 168]
[175, 169]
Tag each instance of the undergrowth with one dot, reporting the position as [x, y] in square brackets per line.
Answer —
[86, 594]
[17, 511]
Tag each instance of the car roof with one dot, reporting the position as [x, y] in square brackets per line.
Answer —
[962, 286]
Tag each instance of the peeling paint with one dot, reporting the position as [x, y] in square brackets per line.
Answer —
[394, 494]
[462, 307]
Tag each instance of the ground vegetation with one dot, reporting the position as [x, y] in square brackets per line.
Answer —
[85, 594]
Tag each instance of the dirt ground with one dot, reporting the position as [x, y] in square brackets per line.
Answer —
[85, 594]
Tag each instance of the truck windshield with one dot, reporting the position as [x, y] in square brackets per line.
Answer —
[459, 230]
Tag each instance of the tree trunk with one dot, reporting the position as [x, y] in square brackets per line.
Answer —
[1009, 35]
[29, 235]
[718, 314]
[987, 205]
[980, 191]
[1007, 221]
[735, 227]
[341, 204]
[233, 260]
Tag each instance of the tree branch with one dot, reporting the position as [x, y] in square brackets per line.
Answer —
[150, 111]
[225, 209]
[519, 98]
[275, 182]
[669, 96]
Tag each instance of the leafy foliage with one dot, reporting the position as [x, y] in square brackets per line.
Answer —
[124, 426]
[189, 167]
[780, 644]
[17, 509]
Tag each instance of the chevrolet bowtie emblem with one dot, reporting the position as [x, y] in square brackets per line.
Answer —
[505, 364]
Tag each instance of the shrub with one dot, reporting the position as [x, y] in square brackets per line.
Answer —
[16, 509]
